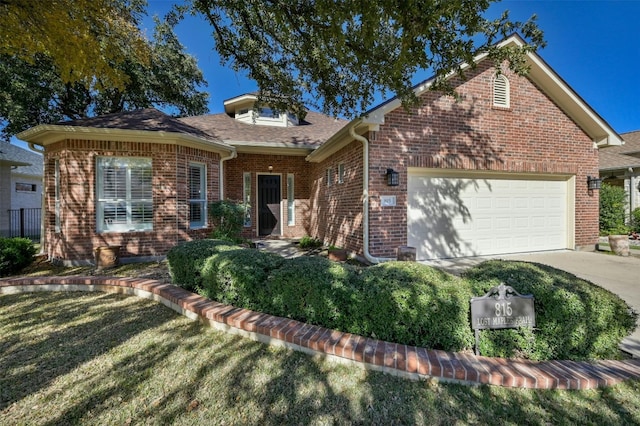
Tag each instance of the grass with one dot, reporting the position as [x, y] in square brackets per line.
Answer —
[93, 358]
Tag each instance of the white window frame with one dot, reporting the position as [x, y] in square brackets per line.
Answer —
[202, 200]
[291, 201]
[341, 173]
[329, 176]
[246, 198]
[130, 224]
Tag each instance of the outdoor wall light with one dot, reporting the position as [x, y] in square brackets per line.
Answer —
[593, 182]
[393, 178]
[270, 167]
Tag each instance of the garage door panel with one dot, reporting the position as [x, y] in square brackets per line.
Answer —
[457, 217]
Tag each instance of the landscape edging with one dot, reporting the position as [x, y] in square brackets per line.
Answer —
[392, 358]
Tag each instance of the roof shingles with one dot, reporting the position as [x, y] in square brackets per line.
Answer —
[622, 156]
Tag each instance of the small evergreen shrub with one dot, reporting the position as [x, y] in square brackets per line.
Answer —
[575, 319]
[308, 242]
[239, 277]
[635, 220]
[186, 260]
[227, 218]
[317, 291]
[613, 200]
[15, 254]
[415, 304]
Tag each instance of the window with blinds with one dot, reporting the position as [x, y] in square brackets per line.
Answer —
[246, 195]
[197, 196]
[125, 197]
[501, 91]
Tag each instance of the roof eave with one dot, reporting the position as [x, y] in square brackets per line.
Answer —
[47, 134]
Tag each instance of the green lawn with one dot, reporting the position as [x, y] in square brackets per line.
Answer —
[94, 358]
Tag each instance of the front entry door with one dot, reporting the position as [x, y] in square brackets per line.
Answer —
[269, 205]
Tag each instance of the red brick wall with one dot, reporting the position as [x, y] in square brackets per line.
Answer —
[281, 165]
[338, 217]
[533, 135]
[78, 237]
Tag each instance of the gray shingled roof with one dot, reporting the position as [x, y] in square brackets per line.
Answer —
[623, 156]
[149, 119]
[314, 130]
[14, 155]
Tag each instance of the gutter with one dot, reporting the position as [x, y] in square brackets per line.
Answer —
[365, 196]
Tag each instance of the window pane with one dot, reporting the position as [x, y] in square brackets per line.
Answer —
[291, 219]
[247, 198]
[197, 196]
[114, 184]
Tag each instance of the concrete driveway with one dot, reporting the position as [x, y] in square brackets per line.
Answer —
[620, 275]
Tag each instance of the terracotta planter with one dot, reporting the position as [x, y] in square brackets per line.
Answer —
[619, 244]
[338, 255]
[107, 256]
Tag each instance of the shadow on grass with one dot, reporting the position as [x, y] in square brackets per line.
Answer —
[107, 359]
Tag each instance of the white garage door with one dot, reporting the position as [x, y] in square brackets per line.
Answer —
[485, 214]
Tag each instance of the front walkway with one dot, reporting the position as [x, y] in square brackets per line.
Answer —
[401, 360]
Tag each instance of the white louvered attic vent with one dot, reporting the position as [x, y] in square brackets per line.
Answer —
[501, 91]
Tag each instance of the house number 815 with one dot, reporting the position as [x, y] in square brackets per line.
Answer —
[503, 309]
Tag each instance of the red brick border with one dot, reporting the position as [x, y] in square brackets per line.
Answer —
[393, 358]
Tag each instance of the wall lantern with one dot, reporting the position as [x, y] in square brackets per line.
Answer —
[270, 167]
[393, 178]
[593, 182]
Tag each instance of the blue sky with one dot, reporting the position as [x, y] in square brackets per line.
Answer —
[593, 45]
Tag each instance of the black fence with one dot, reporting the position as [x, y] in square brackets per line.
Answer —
[25, 223]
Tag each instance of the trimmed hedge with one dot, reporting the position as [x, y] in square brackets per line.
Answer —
[15, 254]
[410, 303]
[575, 319]
[186, 260]
[238, 277]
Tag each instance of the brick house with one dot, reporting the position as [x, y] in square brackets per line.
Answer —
[620, 166]
[502, 169]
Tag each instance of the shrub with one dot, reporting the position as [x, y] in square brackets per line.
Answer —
[308, 242]
[186, 260]
[613, 200]
[575, 319]
[315, 290]
[239, 277]
[415, 304]
[227, 218]
[635, 219]
[15, 254]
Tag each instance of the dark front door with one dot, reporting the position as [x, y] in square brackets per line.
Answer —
[269, 205]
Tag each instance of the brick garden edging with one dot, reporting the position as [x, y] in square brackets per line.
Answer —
[401, 360]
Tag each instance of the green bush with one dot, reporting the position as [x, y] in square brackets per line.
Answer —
[15, 254]
[227, 218]
[186, 260]
[613, 200]
[575, 319]
[317, 291]
[635, 219]
[239, 277]
[410, 303]
[308, 242]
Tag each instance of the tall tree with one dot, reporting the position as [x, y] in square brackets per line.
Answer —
[345, 51]
[33, 91]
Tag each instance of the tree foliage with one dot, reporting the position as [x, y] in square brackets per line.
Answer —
[34, 89]
[346, 51]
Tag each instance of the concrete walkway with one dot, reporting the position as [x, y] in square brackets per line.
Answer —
[620, 275]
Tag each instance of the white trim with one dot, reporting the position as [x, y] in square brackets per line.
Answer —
[203, 190]
[291, 200]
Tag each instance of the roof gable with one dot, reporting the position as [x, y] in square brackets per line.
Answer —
[27, 162]
[546, 79]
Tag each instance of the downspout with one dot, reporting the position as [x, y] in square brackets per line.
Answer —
[365, 196]
[233, 155]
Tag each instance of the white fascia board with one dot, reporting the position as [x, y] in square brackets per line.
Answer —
[276, 148]
[46, 134]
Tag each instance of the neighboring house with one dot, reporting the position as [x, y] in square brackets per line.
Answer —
[502, 169]
[20, 188]
[620, 166]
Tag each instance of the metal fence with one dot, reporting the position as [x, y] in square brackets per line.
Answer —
[25, 223]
